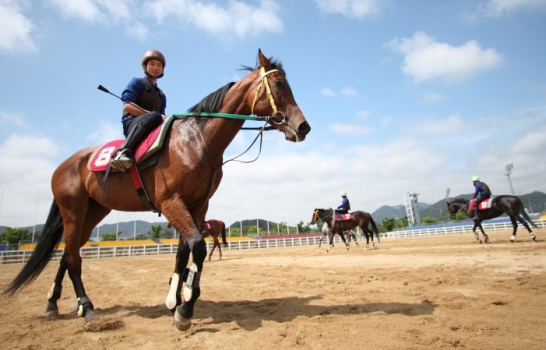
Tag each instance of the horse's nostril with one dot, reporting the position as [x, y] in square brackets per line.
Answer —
[304, 128]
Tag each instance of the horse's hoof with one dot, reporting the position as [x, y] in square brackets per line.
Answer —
[90, 316]
[180, 323]
[52, 314]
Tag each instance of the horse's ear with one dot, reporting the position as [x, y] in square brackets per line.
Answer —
[447, 204]
[264, 62]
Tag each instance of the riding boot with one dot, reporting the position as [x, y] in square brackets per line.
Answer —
[476, 217]
[123, 158]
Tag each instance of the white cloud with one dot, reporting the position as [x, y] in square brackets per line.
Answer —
[137, 30]
[347, 91]
[25, 177]
[363, 114]
[433, 97]
[15, 28]
[328, 92]
[350, 129]
[499, 8]
[425, 59]
[12, 118]
[92, 11]
[350, 8]
[450, 125]
[236, 20]
[106, 132]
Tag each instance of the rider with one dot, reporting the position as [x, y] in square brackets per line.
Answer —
[481, 193]
[344, 207]
[143, 109]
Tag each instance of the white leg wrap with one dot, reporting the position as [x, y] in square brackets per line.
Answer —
[512, 238]
[188, 290]
[51, 290]
[171, 297]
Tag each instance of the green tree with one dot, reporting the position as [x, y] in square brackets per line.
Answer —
[235, 231]
[141, 236]
[155, 232]
[108, 236]
[303, 228]
[389, 224]
[427, 220]
[167, 233]
[13, 235]
[403, 222]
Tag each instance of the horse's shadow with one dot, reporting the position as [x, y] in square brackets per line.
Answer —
[249, 315]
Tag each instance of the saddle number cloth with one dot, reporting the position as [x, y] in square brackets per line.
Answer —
[206, 225]
[486, 204]
[100, 158]
[346, 216]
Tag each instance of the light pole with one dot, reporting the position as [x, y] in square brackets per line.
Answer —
[509, 168]
[2, 198]
[36, 217]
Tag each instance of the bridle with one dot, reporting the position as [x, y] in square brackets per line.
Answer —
[464, 206]
[265, 82]
[316, 215]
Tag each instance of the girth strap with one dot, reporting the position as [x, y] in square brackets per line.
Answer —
[141, 191]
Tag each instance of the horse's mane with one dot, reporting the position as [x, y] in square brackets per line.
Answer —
[212, 103]
[275, 63]
[459, 201]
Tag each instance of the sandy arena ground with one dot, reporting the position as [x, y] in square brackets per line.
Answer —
[421, 293]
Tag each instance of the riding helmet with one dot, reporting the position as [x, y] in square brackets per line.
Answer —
[155, 55]
[475, 178]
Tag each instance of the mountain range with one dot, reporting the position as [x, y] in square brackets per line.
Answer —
[535, 202]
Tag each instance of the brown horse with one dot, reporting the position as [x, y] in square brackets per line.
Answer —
[217, 227]
[348, 235]
[180, 185]
[358, 218]
[511, 205]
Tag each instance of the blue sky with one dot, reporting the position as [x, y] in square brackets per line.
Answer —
[401, 95]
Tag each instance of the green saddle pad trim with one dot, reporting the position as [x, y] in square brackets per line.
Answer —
[158, 143]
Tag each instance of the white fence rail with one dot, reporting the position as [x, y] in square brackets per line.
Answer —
[21, 256]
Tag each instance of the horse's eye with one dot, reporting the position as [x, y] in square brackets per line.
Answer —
[278, 84]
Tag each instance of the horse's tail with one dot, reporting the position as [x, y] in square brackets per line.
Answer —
[224, 241]
[374, 228]
[44, 251]
[524, 214]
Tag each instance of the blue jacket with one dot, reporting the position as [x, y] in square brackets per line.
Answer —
[345, 205]
[135, 88]
[480, 190]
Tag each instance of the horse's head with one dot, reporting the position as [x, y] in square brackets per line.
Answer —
[455, 207]
[319, 214]
[270, 95]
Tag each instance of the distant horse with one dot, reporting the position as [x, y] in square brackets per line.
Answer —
[358, 218]
[348, 235]
[217, 227]
[187, 174]
[511, 205]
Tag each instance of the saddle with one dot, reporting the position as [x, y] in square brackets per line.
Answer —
[206, 226]
[100, 158]
[486, 204]
[342, 217]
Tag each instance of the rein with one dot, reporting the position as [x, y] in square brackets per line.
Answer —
[252, 116]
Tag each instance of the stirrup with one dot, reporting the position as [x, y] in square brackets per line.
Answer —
[122, 160]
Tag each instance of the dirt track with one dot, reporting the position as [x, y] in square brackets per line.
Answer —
[430, 292]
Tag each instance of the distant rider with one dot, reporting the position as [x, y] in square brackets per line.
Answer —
[143, 109]
[481, 193]
[344, 207]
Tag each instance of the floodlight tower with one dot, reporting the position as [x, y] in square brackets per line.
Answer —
[509, 168]
[412, 208]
